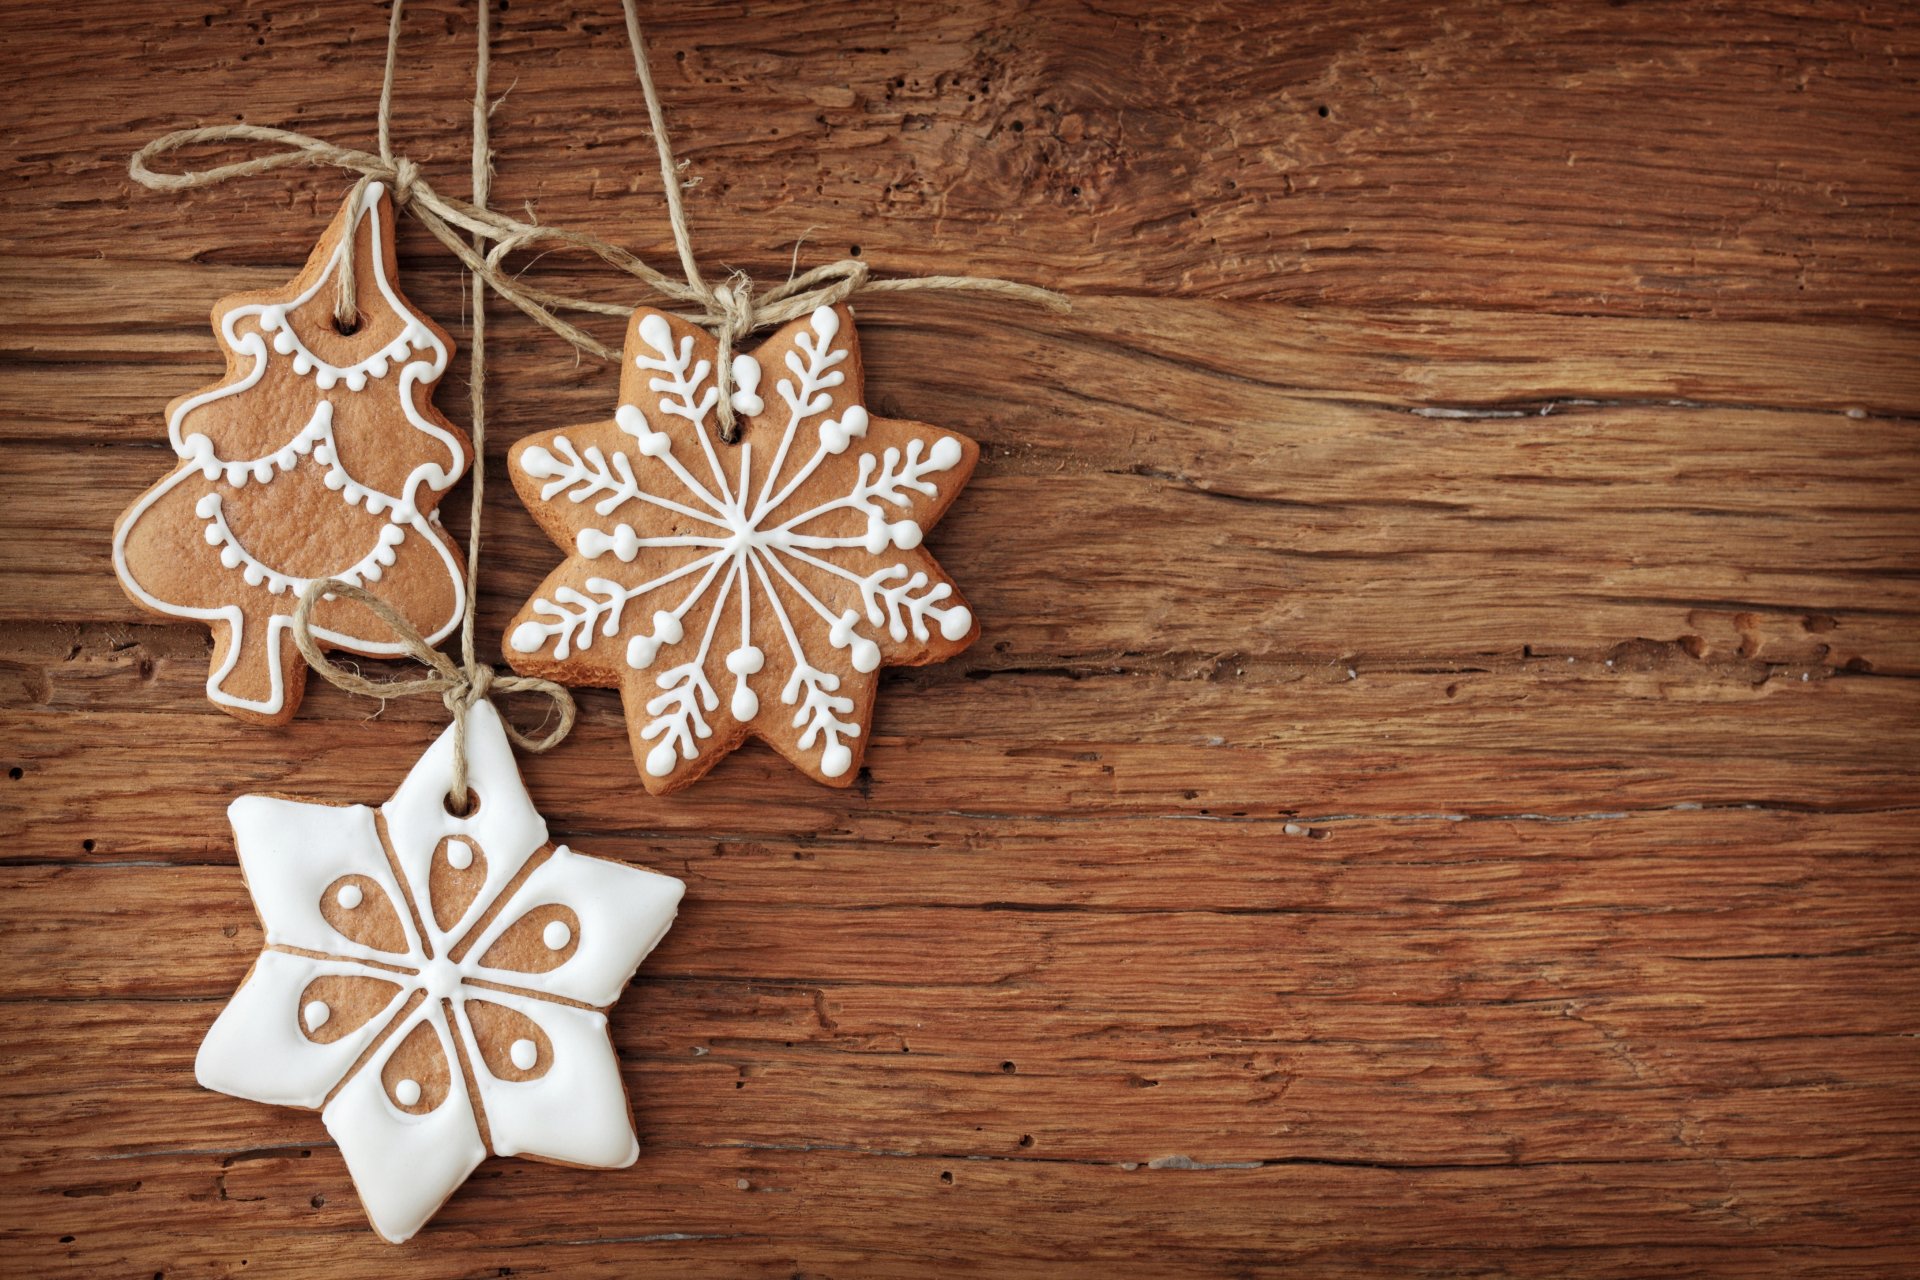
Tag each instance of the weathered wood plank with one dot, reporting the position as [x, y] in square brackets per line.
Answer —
[1434, 573]
[1188, 350]
[1541, 1079]
[1409, 948]
[1573, 158]
[1389, 744]
[758, 1212]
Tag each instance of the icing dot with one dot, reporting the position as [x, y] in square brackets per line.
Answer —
[349, 896]
[315, 1015]
[407, 1092]
[556, 935]
[835, 760]
[524, 1054]
[459, 855]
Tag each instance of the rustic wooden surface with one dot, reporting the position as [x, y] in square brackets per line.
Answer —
[1436, 794]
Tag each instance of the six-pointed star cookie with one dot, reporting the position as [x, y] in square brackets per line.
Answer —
[436, 986]
[745, 589]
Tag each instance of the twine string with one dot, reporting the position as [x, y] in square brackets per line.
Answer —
[459, 687]
[470, 682]
[346, 294]
[732, 311]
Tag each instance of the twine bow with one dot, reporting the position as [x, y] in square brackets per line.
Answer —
[459, 687]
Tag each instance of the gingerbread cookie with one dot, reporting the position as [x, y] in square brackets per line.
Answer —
[436, 986]
[745, 589]
[319, 455]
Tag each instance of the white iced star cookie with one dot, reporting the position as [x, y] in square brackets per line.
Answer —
[436, 986]
[752, 589]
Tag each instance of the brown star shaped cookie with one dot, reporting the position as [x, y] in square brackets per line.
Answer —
[747, 589]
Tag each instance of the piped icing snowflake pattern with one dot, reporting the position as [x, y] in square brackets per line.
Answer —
[436, 986]
[319, 455]
[741, 589]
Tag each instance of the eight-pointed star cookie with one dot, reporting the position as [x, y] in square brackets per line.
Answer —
[318, 455]
[745, 589]
[436, 986]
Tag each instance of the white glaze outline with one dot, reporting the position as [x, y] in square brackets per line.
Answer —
[405, 1163]
[235, 617]
[415, 335]
[742, 548]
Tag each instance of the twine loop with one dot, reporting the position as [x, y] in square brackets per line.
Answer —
[461, 688]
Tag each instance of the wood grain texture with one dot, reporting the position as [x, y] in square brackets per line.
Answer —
[1436, 792]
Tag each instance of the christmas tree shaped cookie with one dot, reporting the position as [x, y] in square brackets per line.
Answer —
[745, 589]
[318, 455]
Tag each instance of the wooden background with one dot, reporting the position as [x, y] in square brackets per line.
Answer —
[1436, 794]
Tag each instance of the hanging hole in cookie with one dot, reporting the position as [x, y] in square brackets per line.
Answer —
[466, 810]
[346, 328]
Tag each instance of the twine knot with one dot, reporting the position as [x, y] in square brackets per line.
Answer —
[402, 177]
[460, 688]
[731, 318]
[476, 685]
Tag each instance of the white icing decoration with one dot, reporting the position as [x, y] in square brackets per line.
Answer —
[406, 1164]
[556, 935]
[459, 855]
[576, 1112]
[234, 618]
[314, 441]
[349, 896]
[271, 318]
[744, 545]
[369, 568]
[315, 1015]
[746, 386]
